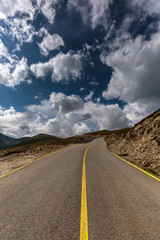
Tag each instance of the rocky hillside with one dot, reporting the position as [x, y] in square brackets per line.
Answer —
[141, 144]
[32, 148]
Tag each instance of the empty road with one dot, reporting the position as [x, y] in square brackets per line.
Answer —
[53, 199]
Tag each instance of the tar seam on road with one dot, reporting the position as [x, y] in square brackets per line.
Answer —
[138, 168]
[31, 162]
[84, 217]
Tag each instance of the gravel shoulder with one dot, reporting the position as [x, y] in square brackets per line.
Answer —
[13, 158]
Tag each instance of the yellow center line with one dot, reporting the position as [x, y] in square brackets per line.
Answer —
[84, 217]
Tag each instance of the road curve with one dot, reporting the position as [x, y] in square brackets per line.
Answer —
[43, 200]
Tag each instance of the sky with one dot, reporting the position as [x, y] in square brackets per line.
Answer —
[68, 67]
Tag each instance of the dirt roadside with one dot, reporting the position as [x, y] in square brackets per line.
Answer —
[11, 159]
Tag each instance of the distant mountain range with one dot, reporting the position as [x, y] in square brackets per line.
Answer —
[7, 142]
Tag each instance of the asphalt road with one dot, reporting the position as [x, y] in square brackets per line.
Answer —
[43, 200]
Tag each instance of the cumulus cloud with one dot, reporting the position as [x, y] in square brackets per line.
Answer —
[12, 74]
[50, 42]
[20, 29]
[64, 104]
[135, 78]
[107, 116]
[18, 17]
[40, 70]
[134, 58]
[47, 7]
[17, 22]
[48, 11]
[62, 66]
[80, 128]
[9, 8]
[140, 109]
[63, 116]
[66, 66]
[12, 70]
[10, 121]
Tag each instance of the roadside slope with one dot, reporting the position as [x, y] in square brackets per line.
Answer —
[140, 145]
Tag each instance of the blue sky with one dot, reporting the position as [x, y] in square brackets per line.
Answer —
[70, 67]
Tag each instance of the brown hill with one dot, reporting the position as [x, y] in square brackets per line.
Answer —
[141, 144]
[32, 148]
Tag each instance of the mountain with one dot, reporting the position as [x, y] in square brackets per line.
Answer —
[37, 138]
[141, 144]
[7, 142]
[41, 139]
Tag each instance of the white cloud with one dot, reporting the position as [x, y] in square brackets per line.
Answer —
[140, 109]
[98, 100]
[42, 32]
[82, 89]
[98, 12]
[40, 70]
[50, 42]
[64, 104]
[10, 121]
[62, 66]
[80, 128]
[94, 83]
[48, 11]
[12, 74]
[20, 29]
[135, 78]
[3, 50]
[66, 66]
[10, 7]
[62, 116]
[135, 112]
[106, 116]
[93, 12]
[18, 16]
[149, 6]
[89, 96]
[47, 7]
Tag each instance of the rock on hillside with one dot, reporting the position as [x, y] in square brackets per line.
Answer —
[141, 145]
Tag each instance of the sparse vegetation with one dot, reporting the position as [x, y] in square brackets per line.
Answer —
[33, 148]
[140, 144]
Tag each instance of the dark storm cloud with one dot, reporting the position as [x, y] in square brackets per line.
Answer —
[86, 116]
[25, 129]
